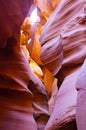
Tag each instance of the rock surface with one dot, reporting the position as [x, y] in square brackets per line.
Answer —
[23, 96]
[69, 21]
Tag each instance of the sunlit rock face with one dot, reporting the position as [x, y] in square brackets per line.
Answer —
[45, 7]
[57, 47]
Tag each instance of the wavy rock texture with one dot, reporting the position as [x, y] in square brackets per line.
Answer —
[52, 55]
[19, 88]
[16, 100]
[23, 98]
[69, 21]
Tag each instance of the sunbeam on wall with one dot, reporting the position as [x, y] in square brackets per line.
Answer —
[34, 17]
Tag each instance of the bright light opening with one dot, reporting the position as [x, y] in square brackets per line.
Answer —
[34, 17]
[21, 32]
[29, 40]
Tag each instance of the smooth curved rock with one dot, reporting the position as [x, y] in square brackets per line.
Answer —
[12, 14]
[69, 21]
[65, 104]
[81, 103]
[52, 54]
[22, 89]
[16, 99]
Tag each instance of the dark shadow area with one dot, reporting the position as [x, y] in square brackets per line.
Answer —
[69, 126]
